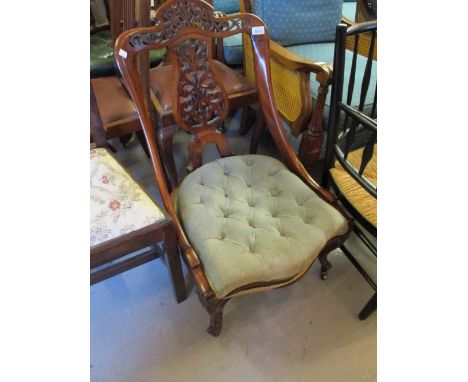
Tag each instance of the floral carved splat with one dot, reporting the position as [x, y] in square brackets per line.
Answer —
[201, 101]
[173, 17]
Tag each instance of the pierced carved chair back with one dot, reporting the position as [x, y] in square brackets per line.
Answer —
[187, 28]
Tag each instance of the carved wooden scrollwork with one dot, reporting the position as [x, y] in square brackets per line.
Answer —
[172, 18]
[201, 101]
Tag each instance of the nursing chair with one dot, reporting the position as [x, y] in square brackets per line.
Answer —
[351, 158]
[245, 223]
[302, 48]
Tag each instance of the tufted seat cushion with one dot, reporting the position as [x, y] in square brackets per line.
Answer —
[118, 204]
[251, 221]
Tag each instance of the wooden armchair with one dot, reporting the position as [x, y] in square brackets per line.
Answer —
[351, 158]
[302, 50]
[245, 223]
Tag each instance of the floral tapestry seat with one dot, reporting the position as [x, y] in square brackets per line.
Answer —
[119, 205]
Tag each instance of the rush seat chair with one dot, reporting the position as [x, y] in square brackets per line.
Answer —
[351, 159]
[245, 223]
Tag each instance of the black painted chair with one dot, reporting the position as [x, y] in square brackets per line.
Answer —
[351, 156]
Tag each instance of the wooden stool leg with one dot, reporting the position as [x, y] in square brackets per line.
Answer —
[174, 265]
[258, 130]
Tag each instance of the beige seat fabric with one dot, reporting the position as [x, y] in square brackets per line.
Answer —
[252, 220]
[118, 204]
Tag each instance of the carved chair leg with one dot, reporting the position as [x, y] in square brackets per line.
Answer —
[259, 127]
[325, 265]
[370, 307]
[124, 139]
[214, 307]
[216, 317]
[165, 136]
[244, 125]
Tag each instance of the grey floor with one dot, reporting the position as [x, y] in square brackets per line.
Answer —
[308, 331]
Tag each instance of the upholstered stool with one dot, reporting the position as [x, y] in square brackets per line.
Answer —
[124, 219]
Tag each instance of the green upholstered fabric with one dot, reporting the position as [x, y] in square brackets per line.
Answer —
[349, 10]
[252, 220]
[233, 50]
[102, 55]
[324, 52]
[294, 22]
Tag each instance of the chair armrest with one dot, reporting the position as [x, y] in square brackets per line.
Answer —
[295, 62]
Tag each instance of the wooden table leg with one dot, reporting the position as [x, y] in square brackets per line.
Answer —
[174, 265]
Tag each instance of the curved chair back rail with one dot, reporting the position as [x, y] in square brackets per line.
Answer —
[200, 104]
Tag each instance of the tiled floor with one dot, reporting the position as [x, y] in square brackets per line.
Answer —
[308, 331]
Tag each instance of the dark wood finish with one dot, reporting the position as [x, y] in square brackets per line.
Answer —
[343, 138]
[194, 20]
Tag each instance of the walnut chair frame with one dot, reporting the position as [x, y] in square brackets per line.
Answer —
[351, 146]
[192, 34]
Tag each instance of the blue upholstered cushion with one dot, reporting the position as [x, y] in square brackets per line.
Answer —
[227, 6]
[324, 52]
[233, 50]
[295, 22]
[349, 10]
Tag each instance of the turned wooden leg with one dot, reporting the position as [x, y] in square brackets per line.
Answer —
[165, 136]
[259, 127]
[370, 307]
[311, 142]
[244, 125]
[174, 265]
[325, 265]
[214, 307]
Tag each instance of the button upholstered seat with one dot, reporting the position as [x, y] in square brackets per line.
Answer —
[118, 204]
[251, 221]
